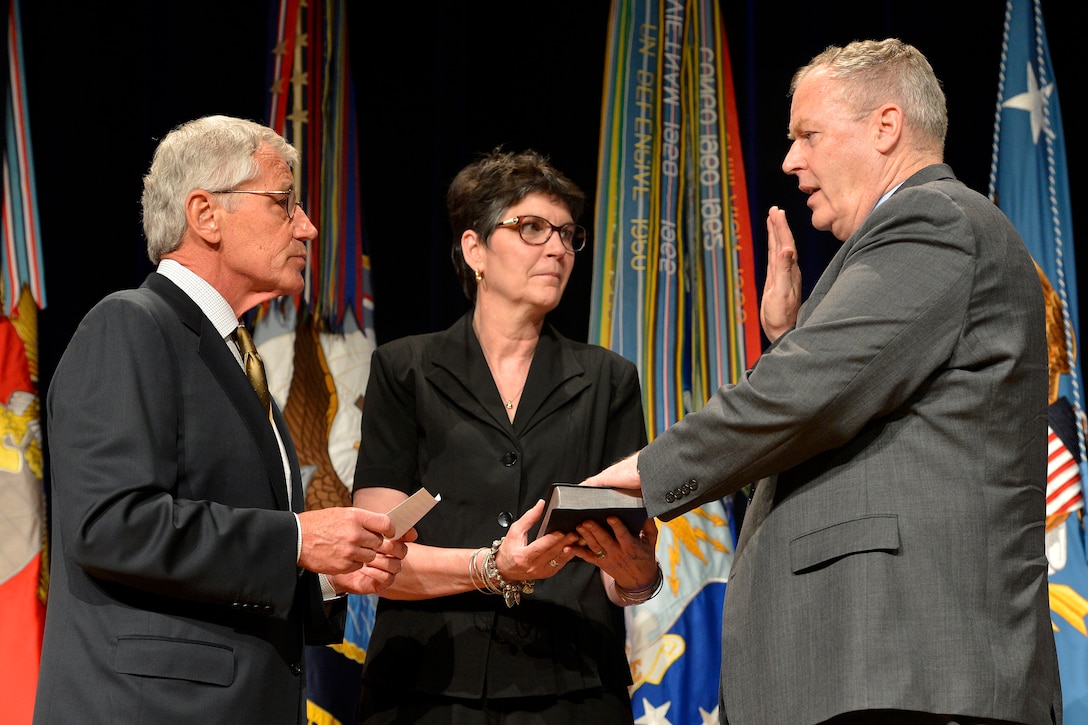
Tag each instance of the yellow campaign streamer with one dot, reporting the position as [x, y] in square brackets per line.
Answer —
[674, 291]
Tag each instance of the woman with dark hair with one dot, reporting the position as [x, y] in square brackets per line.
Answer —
[486, 622]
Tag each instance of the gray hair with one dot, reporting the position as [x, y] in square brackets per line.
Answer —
[211, 153]
[873, 72]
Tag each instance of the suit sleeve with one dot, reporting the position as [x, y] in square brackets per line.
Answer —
[124, 486]
[863, 346]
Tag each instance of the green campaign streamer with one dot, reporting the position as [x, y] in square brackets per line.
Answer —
[674, 291]
[673, 265]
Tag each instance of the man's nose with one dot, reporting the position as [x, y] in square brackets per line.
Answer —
[304, 226]
[793, 161]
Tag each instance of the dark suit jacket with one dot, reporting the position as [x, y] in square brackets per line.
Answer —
[894, 558]
[433, 418]
[174, 596]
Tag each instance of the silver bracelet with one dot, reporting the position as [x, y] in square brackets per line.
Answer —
[640, 594]
[474, 573]
[511, 591]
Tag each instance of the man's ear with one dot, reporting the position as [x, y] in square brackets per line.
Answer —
[202, 215]
[889, 127]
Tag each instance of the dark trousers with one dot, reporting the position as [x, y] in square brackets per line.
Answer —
[384, 706]
[905, 717]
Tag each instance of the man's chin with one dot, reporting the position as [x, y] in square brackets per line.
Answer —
[294, 287]
[820, 223]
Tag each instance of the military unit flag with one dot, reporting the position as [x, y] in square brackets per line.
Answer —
[1029, 181]
[674, 291]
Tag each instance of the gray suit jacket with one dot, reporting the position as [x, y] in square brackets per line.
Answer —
[893, 557]
[174, 594]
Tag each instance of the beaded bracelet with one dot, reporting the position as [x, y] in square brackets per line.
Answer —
[641, 594]
[511, 591]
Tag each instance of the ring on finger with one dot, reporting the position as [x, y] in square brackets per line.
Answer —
[553, 562]
[601, 554]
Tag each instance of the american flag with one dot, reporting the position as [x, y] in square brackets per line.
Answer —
[1064, 493]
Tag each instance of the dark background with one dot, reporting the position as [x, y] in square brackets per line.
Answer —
[437, 84]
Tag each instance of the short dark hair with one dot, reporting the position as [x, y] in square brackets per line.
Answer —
[487, 187]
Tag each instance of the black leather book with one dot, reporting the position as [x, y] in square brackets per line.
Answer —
[570, 504]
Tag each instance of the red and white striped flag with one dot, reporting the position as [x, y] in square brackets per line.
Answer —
[1064, 492]
[23, 567]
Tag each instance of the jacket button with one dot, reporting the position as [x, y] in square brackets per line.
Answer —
[509, 459]
[505, 518]
[296, 669]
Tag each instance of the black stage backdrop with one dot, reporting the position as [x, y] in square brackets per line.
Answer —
[437, 83]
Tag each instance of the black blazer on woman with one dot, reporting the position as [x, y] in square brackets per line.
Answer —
[433, 418]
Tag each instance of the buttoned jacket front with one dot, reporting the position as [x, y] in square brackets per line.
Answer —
[175, 596]
[892, 557]
[433, 417]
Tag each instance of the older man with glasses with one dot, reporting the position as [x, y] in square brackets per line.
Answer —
[185, 575]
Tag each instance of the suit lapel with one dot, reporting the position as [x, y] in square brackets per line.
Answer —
[460, 372]
[215, 354]
[555, 377]
[298, 496]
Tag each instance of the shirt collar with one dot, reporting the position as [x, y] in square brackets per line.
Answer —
[889, 193]
[207, 298]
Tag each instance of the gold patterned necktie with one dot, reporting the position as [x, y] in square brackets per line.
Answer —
[251, 360]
